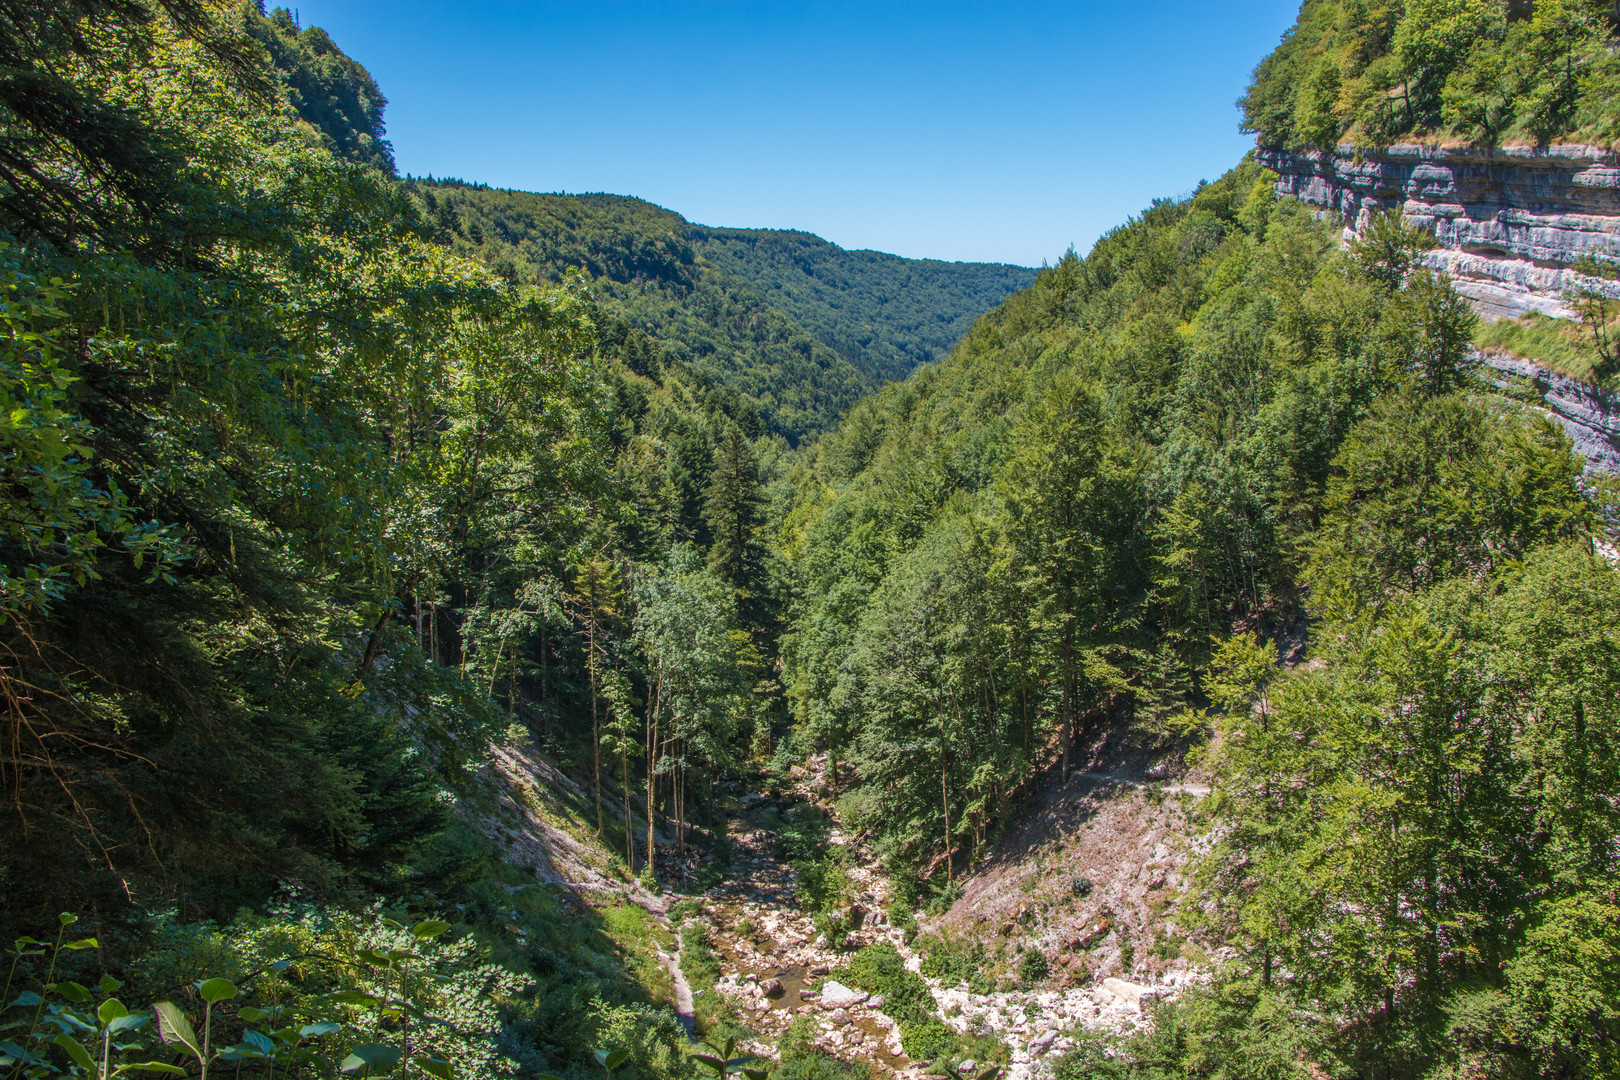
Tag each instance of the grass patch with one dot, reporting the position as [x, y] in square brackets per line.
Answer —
[1561, 345]
[631, 930]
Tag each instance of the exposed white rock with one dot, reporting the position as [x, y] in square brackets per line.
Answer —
[1510, 222]
[838, 996]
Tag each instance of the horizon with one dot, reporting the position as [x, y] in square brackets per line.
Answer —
[998, 139]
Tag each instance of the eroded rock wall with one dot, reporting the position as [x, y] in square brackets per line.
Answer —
[1510, 222]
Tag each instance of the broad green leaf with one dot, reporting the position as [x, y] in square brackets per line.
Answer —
[111, 1010]
[173, 1027]
[67, 918]
[150, 1066]
[259, 1039]
[378, 1057]
[251, 1015]
[128, 1022]
[108, 984]
[27, 999]
[215, 990]
[75, 1050]
[355, 997]
[77, 993]
[717, 1064]
[320, 1027]
[82, 943]
[614, 1060]
[431, 928]
[435, 1067]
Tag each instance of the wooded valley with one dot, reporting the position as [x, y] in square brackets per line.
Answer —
[415, 594]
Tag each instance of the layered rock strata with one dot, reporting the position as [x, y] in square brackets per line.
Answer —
[1510, 222]
[1589, 414]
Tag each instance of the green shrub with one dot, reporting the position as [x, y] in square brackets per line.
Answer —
[1032, 967]
[956, 962]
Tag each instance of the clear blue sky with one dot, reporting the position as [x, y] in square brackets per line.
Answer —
[990, 131]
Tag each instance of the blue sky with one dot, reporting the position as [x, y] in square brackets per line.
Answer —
[1003, 132]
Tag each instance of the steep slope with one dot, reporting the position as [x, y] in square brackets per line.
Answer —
[883, 313]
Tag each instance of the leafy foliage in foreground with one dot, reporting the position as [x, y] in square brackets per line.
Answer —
[1481, 71]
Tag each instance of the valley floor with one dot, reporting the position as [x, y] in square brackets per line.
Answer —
[760, 964]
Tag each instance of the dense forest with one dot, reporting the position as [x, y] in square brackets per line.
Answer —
[1473, 72]
[327, 486]
[884, 314]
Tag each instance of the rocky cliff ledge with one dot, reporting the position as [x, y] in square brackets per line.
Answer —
[1510, 222]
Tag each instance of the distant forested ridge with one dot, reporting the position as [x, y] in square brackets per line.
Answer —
[1481, 72]
[658, 304]
[796, 327]
[883, 313]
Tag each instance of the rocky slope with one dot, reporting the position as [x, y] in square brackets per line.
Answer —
[1510, 222]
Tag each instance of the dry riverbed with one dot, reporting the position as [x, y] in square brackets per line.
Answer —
[775, 965]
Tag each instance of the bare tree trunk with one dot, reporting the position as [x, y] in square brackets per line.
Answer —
[652, 760]
[945, 803]
[596, 722]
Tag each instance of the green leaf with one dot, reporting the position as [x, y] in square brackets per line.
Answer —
[67, 918]
[259, 1039]
[251, 1015]
[355, 997]
[111, 1010]
[27, 999]
[129, 1022]
[75, 1050]
[173, 1027]
[77, 993]
[435, 1067]
[613, 1060]
[150, 1066]
[108, 984]
[717, 1064]
[83, 943]
[320, 1027]
[431, 928]
[378, 1057]
[215, 990]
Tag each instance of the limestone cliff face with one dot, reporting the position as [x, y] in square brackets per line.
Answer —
[1510, 222]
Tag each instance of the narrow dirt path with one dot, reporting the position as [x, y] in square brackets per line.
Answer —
[684, 1009]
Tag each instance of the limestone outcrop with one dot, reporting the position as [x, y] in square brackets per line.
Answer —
[1510, 222]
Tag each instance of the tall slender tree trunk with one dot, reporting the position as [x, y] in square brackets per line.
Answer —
[945, 804]
[629, 823]
[596, 722]
[652, 760]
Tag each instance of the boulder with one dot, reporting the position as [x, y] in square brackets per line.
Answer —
[839, 1017]
[1127, 992]
[836, 995]
[771, 988]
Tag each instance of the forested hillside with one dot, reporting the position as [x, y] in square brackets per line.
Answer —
[1476, 72]
[1096, 517]
[882, 313]
[309, 516]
